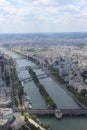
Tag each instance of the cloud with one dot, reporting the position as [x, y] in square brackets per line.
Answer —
[46, 12]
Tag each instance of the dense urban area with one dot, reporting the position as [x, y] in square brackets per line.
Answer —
[65, 64]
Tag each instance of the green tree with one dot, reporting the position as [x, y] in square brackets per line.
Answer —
[83, 92]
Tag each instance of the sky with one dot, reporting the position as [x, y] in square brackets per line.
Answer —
[26, 16]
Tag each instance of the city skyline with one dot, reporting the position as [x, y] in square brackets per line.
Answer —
[26, 16]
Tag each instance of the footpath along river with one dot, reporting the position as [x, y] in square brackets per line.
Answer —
[60, 97]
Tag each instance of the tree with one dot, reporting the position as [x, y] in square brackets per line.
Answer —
[83, 92]
[10, 128]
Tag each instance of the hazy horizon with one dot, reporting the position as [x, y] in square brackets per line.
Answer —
[40, 32]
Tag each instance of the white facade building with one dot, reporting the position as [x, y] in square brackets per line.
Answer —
[6, 113]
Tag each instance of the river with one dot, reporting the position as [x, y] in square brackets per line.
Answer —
[61, 98]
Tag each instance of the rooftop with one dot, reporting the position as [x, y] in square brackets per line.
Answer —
[3, 122]
[5, 111]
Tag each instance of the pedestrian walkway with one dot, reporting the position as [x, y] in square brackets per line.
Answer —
[35, 124]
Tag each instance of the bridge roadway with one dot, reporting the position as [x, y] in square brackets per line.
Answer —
[40, 76]
[74, 112]
[26, 67]
[19, 58]
[65, 112]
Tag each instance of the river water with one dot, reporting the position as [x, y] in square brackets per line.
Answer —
[61, 98]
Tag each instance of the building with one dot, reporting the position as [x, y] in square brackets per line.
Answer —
[4, 124]
[5, 102]
[1, 72]
[2, 83]
[2, 62]
[6, 113]
[5, 97]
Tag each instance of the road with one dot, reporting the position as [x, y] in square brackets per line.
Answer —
[11, 86]
[35, 124]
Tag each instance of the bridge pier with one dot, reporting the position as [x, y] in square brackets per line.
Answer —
[58, 114]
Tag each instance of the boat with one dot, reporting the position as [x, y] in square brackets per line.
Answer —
[27, 98]
[22, 83]
[30, 106]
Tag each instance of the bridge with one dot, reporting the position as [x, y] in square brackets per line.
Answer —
[40, 76]
[27, 79]
[20, 58]
[74, 112]
[65, 112]
[34, 67]
[27, 67]
[22, 68]
[42, 111]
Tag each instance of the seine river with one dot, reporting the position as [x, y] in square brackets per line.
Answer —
[61, 98]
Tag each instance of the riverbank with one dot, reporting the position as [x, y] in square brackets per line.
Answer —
[30, 88]
[63, 86]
